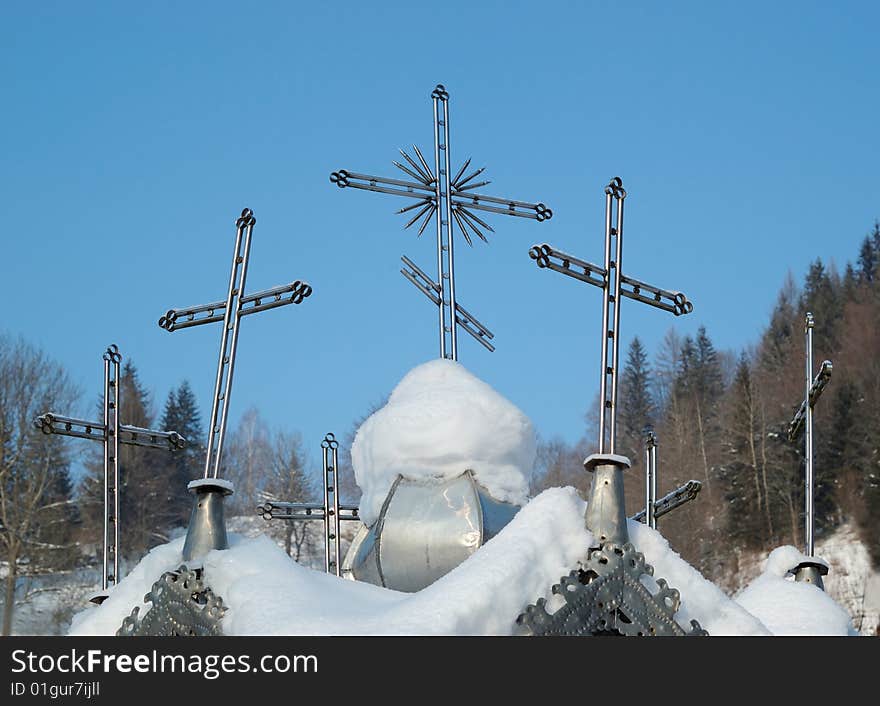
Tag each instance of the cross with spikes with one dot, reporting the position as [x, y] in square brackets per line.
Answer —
[110, 432]
[331, 511]
[614, 285]
[442, 197]
[230, 312]
[803, 421]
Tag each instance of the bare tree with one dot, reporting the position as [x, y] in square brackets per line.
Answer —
[35, 505]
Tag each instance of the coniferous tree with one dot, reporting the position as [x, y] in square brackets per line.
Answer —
[636, 410]
[181, 414]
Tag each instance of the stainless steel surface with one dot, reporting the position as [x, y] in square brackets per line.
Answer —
[431, 290]
[207, 522]
[607, 596]
[650, 478]
[614, 285]
[811, 572]
[236, 306]
[424, 530]
[182, 606]
[446, 200]
[803, 419]
[110, 432]
[669, 502]
[606, 507]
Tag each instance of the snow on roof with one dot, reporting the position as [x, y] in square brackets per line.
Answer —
[440, 421]
[788, 607]
[269, 594]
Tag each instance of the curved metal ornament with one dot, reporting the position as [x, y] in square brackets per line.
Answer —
[606, 596]
[182, 606]
[424, 530]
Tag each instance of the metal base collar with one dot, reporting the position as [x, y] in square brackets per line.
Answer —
[811, 572]
[606, 509]
[207, 523]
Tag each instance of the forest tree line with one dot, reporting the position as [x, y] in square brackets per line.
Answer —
[720, 417]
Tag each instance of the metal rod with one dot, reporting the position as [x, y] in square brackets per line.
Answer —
[213, 428]
[615, 338]
[105, 578]
[437, 195]
[113, 432]
[603, 388]
[650, 478]
[236, 320]
[337, 539]
[809, 520]
[324, 451]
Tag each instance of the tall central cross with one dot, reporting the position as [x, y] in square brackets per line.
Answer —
[207, 528]
[443, 198]
[110, 432]
[809, 571]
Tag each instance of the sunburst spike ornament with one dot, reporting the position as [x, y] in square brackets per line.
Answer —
[445, 200]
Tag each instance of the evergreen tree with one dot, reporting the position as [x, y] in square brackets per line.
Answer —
[637, 408]
[867, 260]
[181, 414]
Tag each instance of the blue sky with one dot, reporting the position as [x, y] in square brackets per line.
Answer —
[746, 135]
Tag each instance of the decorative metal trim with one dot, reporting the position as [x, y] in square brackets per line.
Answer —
[606, 596]
[182, 607]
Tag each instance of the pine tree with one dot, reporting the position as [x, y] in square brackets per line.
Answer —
[182, 415]
[637, 407]
[867, 260]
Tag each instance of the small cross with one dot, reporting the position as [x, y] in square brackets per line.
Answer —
[443, 198]
[331, 512]
[110, 432]
[803, 420]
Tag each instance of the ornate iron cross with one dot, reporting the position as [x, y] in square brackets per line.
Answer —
[110, 432]
[331, 511]
[614, 285]
[207, 525]
[803, 420]
[236, 306]
[444, 198]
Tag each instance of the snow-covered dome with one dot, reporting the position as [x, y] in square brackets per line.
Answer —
[439, 422]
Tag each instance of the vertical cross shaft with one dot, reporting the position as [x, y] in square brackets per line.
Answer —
[111, 465]
[446, 198]
[650, 479]
[330, 447]
[228, 342]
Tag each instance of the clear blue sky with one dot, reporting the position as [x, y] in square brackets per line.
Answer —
[132, 135]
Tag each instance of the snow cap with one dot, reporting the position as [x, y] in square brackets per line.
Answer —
[440, 421]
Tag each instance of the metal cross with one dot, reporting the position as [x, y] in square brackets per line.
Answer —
[657, 508]
[331, 512]
[444, 198]
[614, 285]
[803, 420]
[110, 432]
[230, 312]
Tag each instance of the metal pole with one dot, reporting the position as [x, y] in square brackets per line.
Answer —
[213, 429]
[234, 343]
[808, 440]
[450, 235]
[650, 478]
[116, 357]
[324, 451]
[334, 447]
[616, 266]
[603, 387]
[106, 560]
[437, 194]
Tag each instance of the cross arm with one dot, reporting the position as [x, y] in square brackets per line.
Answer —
[133, 436]
[669, 502]
[427, 286]
[524, 209]
[548, 257]
[823, 377]
[293, 293]
[277, 510]
[396, 187]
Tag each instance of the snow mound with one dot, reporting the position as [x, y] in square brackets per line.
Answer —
[788, 607]
[269, 594]
[440, 421]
